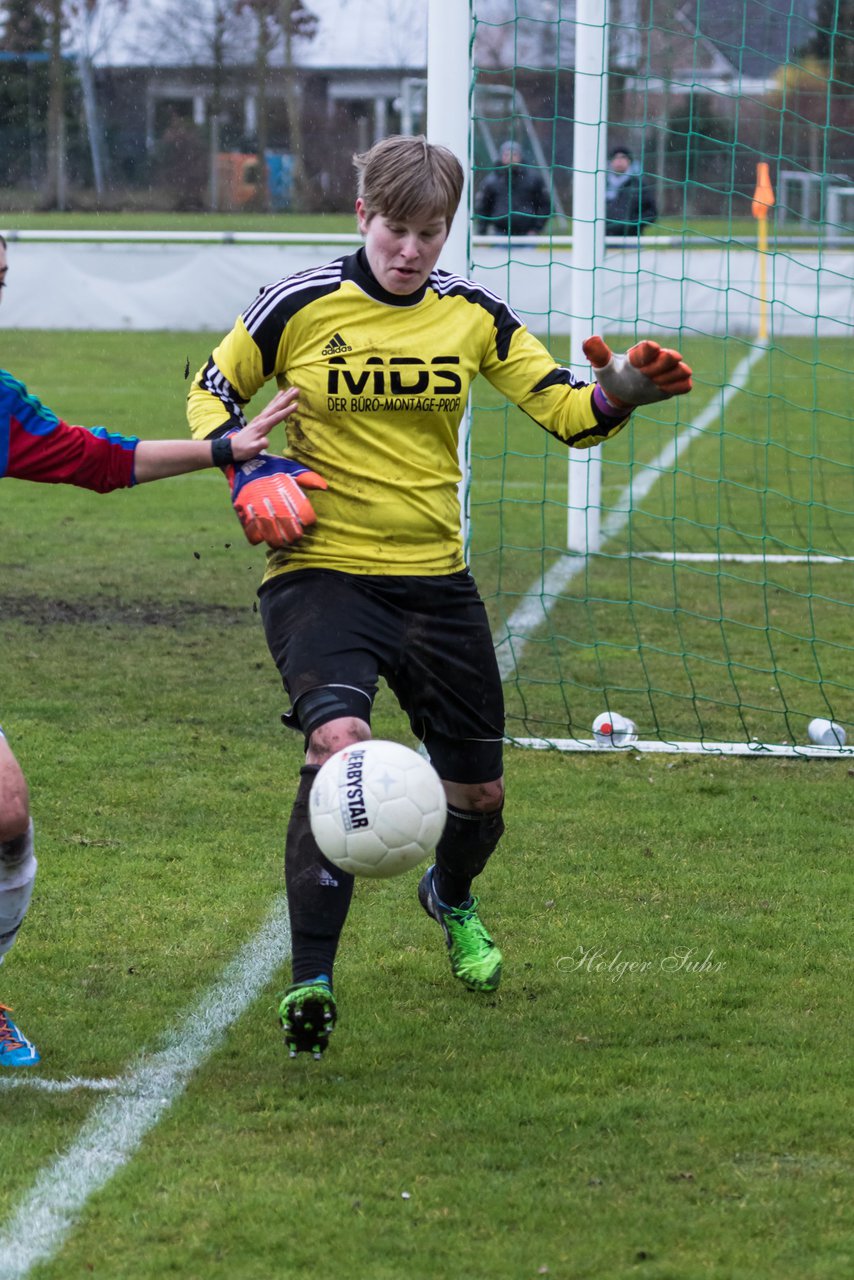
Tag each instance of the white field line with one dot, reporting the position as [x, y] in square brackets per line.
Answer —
[117, 1124]
[24, 1079]
[735, 557]
[535, 606]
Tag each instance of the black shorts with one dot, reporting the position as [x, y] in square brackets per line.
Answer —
[332, 635]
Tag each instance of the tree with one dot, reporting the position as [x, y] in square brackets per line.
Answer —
[210, 35]
[832, 44]
[265, 41]
[56, 188]
[57, 29]
[23, 88]
[24, 27]
[218, 35]
[88, 23]
[531, 33]
[33, 29]
[295, 21]
[280, 21]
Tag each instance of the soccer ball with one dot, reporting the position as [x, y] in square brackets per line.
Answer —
[377, 808]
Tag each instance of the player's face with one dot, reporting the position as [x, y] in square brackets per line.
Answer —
[3, 270]
[401, 254]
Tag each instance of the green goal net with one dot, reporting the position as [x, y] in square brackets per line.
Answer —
[696, 574]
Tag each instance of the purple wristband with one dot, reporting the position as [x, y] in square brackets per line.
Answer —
[603, 404]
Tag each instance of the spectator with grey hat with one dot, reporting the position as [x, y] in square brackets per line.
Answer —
[629, 203]
[514, 199]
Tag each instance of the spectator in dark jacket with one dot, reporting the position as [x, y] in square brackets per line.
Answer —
[513, 200]
[629, 204]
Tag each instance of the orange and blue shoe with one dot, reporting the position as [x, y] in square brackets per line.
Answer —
[15, 1049]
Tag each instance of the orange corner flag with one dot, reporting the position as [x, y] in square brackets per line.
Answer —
[763, 196]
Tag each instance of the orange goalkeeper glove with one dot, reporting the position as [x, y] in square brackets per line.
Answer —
[269, 502]
[646, 374]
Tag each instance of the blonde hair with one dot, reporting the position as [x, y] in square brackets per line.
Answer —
[408, 177]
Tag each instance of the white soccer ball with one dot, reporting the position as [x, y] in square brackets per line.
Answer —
[377, 808]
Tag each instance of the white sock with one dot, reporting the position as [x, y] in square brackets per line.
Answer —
[17, 877]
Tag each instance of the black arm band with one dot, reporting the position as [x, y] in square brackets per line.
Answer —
[222, 454]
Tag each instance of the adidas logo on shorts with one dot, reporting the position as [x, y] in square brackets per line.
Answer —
[336, 346]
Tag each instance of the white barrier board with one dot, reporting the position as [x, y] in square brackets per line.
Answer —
[181, 286]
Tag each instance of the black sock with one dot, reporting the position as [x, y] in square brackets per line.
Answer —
[319, 893]
[462, 853]
[454, 890]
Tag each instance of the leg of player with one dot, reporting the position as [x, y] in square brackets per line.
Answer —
[471, 834]
[319, 897]
[17, 874]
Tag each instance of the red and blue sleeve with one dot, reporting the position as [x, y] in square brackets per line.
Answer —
[37, 445]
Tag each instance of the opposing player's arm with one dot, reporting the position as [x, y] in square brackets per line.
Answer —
[157, 459]
[267, 492]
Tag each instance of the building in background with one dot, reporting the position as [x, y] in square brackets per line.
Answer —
[198, 104]
[208, 67]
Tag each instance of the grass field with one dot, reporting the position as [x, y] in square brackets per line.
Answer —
[660, 1088]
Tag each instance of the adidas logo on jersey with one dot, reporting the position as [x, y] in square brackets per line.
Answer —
[336, 346]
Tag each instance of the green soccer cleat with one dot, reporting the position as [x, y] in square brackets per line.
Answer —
[474, 957]
[307, 1014]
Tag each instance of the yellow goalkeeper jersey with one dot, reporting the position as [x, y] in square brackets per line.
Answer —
[383, 385]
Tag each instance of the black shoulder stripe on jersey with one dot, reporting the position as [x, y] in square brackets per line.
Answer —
[574, 441]
[504, 318]
[605, 424]
[564, 377]
[276, 304]
[212, 379]
[558, 378]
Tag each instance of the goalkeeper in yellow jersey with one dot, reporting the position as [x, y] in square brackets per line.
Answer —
[368, 577]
